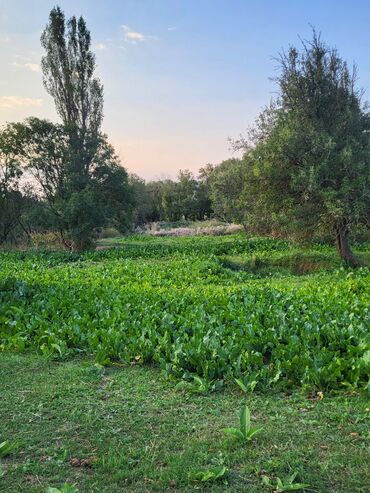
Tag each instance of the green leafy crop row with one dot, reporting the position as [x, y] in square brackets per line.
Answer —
[175, 304]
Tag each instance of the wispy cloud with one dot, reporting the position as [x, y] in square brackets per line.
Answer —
[100, 46]
[131, 36]
[172, 28]
[16, 101]
[24, 63]
[34, 67]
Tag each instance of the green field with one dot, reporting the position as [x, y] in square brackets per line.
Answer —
[219, 308]
[131, 356]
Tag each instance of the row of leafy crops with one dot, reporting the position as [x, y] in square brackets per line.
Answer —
[174, 303]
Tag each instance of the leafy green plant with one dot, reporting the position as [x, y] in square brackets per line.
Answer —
[211, 474]
[6, 448]
[189, 315]
[199, 385]
[245, 432]
[288, 484]
[246, 385]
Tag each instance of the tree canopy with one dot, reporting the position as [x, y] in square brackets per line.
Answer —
[307, 158]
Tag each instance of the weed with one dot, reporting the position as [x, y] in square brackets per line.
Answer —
[288, 484]
[211, 474]
[245, 432]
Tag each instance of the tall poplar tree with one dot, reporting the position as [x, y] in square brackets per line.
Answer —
[68, 73]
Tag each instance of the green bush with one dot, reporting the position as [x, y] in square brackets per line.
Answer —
[109, 233]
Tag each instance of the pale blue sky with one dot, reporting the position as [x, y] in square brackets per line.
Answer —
[180, 76]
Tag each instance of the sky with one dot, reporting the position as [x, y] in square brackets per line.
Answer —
[180, 76]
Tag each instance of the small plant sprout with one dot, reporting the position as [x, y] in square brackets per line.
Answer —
[199, 385]
[245, 432]
[212, 474]
[287, 485]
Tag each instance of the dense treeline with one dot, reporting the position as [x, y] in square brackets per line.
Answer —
[304, 170]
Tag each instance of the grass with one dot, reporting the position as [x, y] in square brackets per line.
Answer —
[296, 262]
[126, 429]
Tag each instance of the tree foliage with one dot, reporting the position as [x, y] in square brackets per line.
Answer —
[185, 198]
[304, 172]
[225, 183]
[106, 197]
[77, 169]
[11, 198]
[68, 69]
[307, 159]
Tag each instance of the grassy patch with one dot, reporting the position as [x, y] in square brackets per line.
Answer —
[125, 429]
[293, 262]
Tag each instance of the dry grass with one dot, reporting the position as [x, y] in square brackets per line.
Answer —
[217, 230]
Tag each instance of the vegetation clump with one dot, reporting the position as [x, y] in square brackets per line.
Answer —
[172, 302]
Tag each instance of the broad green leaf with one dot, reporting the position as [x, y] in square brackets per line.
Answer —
[254, 431]
[241, 385]
[279, 485]
[296, 486]
[266, 481]
[234, 432]
[245, 420]
[211, 474]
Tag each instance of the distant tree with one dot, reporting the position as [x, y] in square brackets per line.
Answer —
[170, 201]
[310, 164]
[204, 209]
[36, 216]
[188, 196]
[226, 183]
[154, 190]
[185, 198]
[11, 198]
[147, 200]
[113, 191]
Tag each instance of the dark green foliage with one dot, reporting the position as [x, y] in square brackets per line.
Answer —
[147, 200]
[11, 198]
[307, 165]
[305, 172]
[78, 184]
[225, 184]
[105, 198]
[186, 198]
[183, 199]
